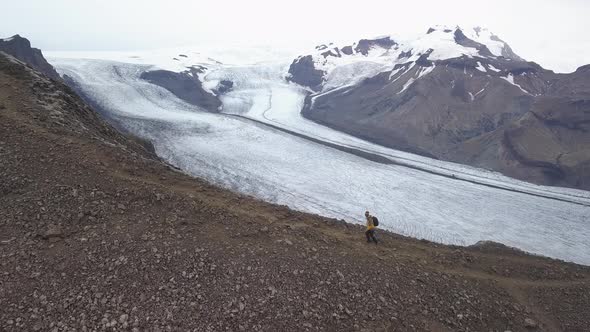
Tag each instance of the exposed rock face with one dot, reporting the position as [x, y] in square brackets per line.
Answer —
[21, 49]
[491, 111]
[185, 85]
[303, 72]
[423, 60]
[404, 55]
[347, 50]
[462, 40]
[334, 52]
[224, 86]
[541, 136]
[549, 144]
[364, 45]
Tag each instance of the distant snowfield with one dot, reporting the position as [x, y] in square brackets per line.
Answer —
[278, 167]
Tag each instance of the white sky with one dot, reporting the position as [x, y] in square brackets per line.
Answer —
[554, 33]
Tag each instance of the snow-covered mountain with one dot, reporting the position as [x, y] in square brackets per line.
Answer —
[332, 66]
[456, 94]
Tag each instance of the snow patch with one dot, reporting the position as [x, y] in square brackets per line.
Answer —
[481, 68]
[425, 71]
[407, 85]
[419, 73]
[394, 72]
[492, 68]
[510, 79]
[351, 73]
[482, 90]
[314, 97]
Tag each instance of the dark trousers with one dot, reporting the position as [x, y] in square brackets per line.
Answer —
[371, 235]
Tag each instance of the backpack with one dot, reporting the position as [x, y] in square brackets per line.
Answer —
[375, 221]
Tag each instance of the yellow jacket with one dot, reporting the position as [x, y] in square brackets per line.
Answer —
[370, 225]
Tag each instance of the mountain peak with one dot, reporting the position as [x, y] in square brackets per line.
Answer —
[329, 66]
[16, 39]
[17, 36]
[445, 41]
[480, 35]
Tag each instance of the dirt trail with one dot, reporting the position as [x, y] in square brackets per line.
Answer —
[97, 234]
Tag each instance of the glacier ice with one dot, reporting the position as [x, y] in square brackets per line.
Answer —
[255, 159]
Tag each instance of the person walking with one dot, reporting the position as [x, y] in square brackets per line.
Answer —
[371, 225]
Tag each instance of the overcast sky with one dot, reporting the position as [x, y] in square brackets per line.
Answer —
[554, 33]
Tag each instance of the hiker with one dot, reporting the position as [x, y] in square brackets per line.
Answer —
[371, 225]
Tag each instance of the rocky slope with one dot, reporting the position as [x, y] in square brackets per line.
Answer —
[458, 95]
[97, 234]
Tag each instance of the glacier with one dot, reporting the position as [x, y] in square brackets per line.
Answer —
[243, 149]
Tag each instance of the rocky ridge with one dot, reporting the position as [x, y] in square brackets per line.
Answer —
[21, 49]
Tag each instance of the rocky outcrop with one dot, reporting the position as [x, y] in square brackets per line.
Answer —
[462, 40]
[302, 71]
[423, 59]
[333, 52]
[364, 45]
[21, 49]
[347, 50]
[186, 86]
[224, 86]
